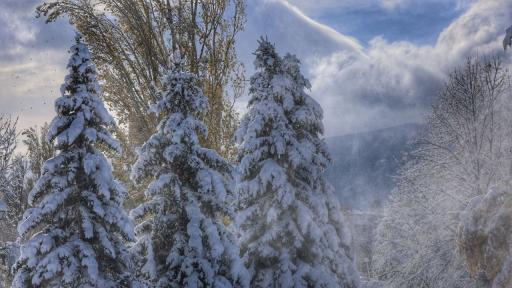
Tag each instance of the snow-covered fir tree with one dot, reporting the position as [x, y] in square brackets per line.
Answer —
[293, 233]
[77, 222]
[182, 239]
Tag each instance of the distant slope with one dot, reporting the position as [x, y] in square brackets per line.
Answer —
[365, 163]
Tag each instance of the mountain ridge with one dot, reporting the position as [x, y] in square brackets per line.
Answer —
[365, 163]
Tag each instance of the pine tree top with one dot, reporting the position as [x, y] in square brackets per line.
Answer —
[283, 121]
[181, 91]
[266, 56]
[81, 115]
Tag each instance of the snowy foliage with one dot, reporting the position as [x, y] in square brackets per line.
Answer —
[485, 236]
[38, 149]
[15, 196]
[9, 252]
[76, 223]
[7, 146]
[293, 233]
[23, 173]
[464, 151]
[182, 238]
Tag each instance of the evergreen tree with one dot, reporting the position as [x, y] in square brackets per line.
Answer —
[77, 222]
[182, 238]
[292, 229]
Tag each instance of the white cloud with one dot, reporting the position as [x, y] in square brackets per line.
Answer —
[391, 83]
[479, 30]
[324, 30]
[392, 86]
[315, 8]
[392, 4]
[320, 7]
[292, 31]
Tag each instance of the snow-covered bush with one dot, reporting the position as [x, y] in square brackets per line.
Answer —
[293, 233]
[77, 222]
[485, 231]
[485, 236]
[182, 238]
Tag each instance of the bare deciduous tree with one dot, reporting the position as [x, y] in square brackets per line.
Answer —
[132, 40]
[464, 151]
[21, 174]
[38, 149]
[8, 136]
[484, 235]
[15, 196]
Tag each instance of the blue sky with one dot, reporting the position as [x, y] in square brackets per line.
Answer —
[419, 22]
[372, 63]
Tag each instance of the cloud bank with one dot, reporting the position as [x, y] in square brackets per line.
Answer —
[386, 83]
[361, 86]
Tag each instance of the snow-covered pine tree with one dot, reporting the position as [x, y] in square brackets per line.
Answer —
[183, 240]
[292, 228]
[77, 220]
